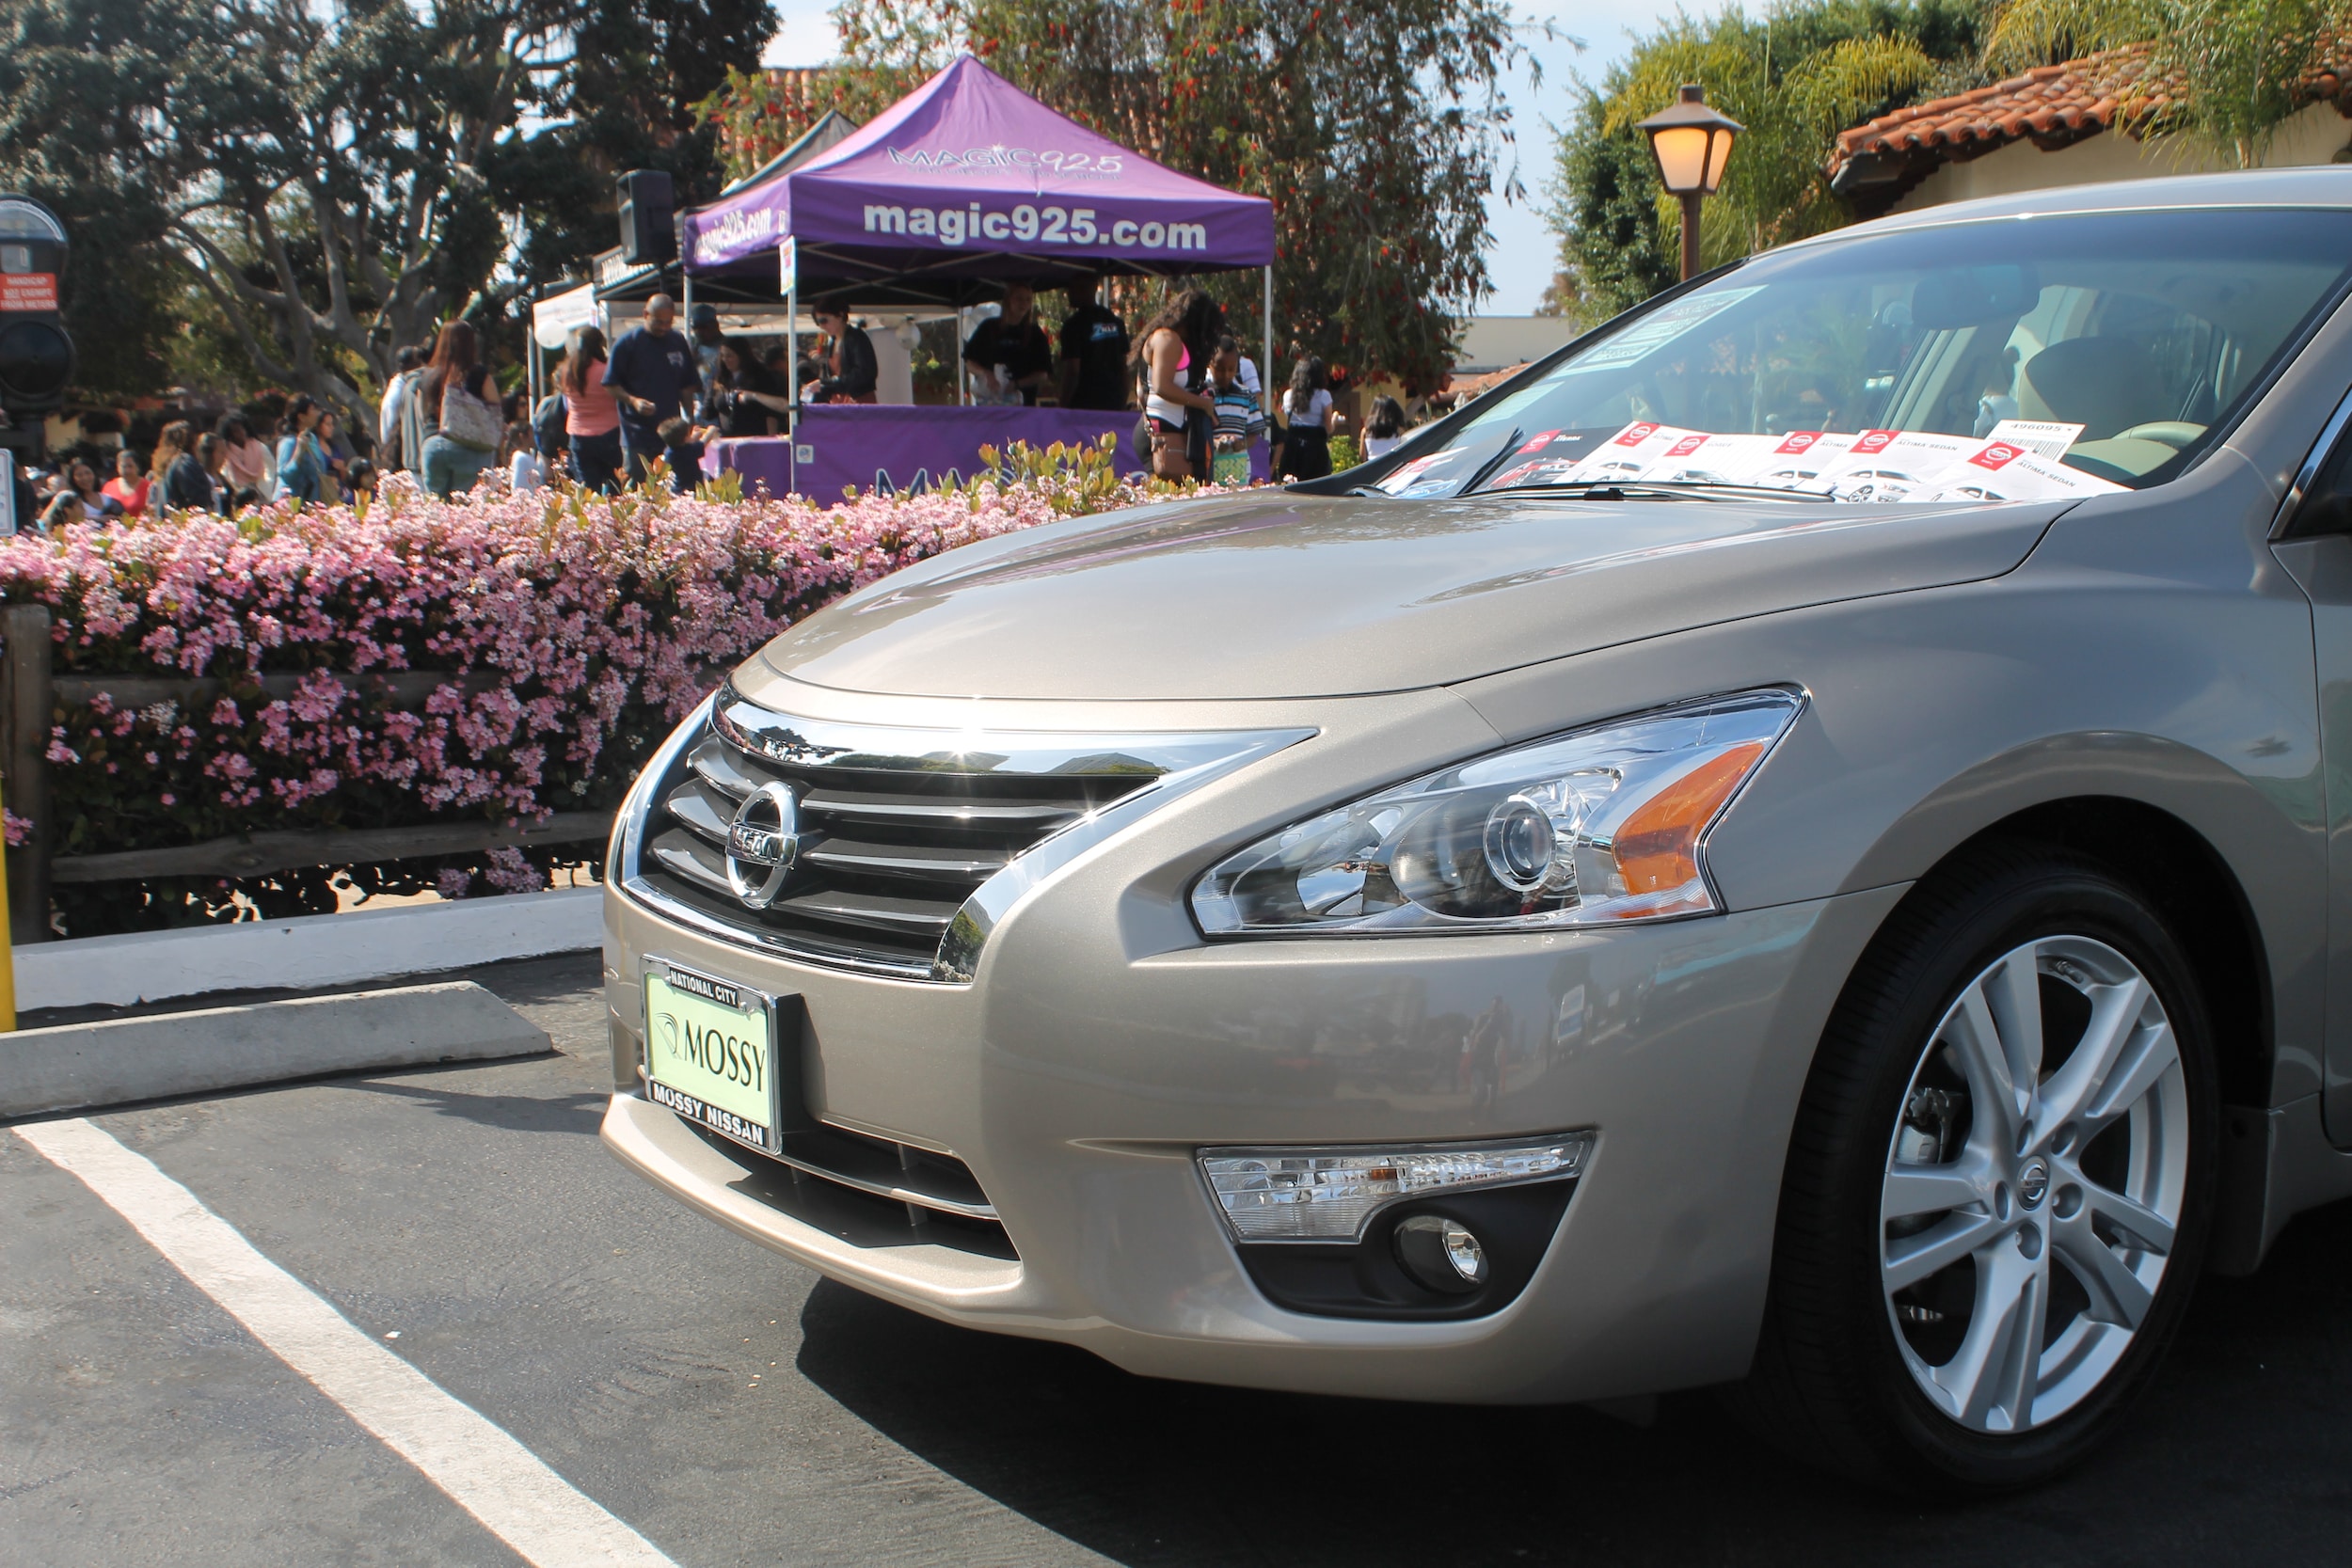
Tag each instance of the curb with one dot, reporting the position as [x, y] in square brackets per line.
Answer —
[76, 1066]
[308, 951]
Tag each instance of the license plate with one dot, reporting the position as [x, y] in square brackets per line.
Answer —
[710, 1054]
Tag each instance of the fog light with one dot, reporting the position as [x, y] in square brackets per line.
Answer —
[1441, 1253]
[1328, 1195]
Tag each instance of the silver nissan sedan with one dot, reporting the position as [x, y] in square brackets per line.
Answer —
[1790, 846]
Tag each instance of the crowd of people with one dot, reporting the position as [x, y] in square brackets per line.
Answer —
[243, 460]
[655, 395]
[1203, 406]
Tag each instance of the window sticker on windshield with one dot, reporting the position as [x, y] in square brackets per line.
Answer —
[1547, 457]
[1657, 329]
[1630, 453]
[1552, 471]
[1437, 474]
[1889, 465]
[1738, 459]
[1873, 465]
[2042, 438]
[1402, 481]
[2004, 472]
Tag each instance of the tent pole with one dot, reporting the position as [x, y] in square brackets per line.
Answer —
[792, 358]
[1266, 368]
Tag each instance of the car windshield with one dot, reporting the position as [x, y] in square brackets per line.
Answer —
[1994, 360]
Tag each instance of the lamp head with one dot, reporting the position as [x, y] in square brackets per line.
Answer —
[1691, 142]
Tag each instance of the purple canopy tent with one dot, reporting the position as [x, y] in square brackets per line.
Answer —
[968, 179]
[964, 184]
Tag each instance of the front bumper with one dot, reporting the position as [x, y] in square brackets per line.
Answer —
[1104, 1041]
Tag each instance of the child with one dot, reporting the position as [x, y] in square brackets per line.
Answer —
[1385, 431]
[1239, 420]
[682, 449]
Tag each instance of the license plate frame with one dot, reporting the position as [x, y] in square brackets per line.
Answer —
[691, 1107]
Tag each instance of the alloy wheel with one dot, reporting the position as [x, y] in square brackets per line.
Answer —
[2034, 1184]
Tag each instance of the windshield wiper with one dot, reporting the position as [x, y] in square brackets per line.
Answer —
[1626, 489]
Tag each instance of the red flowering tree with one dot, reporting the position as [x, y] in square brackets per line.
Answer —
[1374, 127]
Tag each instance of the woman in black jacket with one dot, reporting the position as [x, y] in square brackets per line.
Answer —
[848, 366]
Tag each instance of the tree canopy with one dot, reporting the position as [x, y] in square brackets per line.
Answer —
[331, 181]
[1794, 78]
[1376, 129]
[2222, 75]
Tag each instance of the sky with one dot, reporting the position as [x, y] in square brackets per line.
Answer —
[1520, 260]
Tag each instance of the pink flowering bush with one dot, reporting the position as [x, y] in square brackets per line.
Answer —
[576, 630]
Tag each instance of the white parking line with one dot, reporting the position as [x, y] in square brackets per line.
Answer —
[485, 1471]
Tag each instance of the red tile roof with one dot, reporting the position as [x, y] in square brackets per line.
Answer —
[2051, 106]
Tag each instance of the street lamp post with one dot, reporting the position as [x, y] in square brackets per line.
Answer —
[1691, 143]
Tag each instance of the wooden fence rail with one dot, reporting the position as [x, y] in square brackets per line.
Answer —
[30, 692]
[258, 854]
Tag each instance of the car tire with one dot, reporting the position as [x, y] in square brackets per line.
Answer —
[2092, 1225]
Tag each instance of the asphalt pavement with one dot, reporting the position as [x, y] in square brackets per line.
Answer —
[733, 1408]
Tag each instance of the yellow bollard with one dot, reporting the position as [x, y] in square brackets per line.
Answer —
[7, 954]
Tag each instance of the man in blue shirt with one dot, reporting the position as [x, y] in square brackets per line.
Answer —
[653, 374]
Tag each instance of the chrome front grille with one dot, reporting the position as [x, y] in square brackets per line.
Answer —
[898, 832]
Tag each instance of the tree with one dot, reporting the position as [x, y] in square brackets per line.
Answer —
[335, 180]
[1604, 204]
[1376, 129]
[80, 81]
[627, 99]
[1793, 79]
[335, 206]
[2222, 74]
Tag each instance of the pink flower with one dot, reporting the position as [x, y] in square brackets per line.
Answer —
[556, 679]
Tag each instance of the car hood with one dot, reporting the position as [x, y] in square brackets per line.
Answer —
[1278, 595]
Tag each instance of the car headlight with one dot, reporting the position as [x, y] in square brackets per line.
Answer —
[1596, 827]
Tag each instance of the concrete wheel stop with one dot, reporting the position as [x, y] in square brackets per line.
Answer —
[118, 1061]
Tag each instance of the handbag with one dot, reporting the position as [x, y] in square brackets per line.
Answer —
[1170, 458]
[469, 421]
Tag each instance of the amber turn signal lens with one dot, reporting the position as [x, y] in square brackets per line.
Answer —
[1657, 848]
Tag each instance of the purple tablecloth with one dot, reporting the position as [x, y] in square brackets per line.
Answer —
[901, 447]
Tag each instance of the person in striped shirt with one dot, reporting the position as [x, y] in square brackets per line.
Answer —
[1240, 422]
